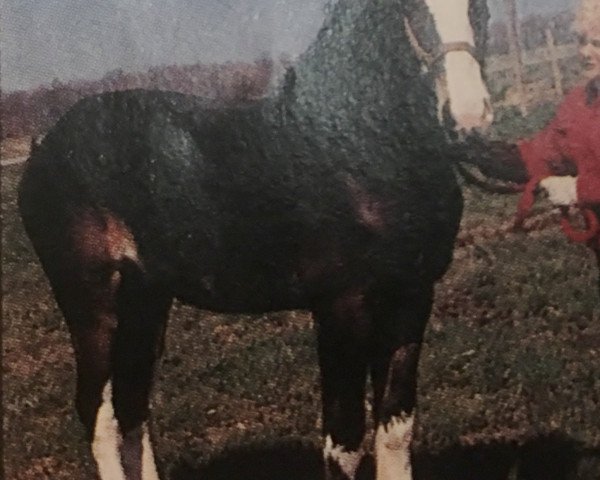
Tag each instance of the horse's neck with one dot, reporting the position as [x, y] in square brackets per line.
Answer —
[361, 64]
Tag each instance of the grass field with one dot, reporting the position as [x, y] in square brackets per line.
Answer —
[509, 378]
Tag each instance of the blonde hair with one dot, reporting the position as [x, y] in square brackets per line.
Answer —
[587, 17]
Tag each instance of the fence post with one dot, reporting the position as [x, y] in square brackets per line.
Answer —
[515, 52]
[553, 53]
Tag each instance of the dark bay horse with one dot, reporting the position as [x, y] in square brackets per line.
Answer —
[335, 196]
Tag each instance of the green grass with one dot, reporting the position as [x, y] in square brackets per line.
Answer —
[509, 120]
[512, 353]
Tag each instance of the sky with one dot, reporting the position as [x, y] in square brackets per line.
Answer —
[83, 39]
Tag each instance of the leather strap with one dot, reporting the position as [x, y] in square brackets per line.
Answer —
[430, 59]
[454, 47]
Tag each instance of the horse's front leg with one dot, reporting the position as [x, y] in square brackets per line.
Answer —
[399, 326]
[342, 336]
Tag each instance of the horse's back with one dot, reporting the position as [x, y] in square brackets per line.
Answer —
[186, 179]
[124, 152]
[226, 203]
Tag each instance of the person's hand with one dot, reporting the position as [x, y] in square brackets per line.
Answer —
[562, 190]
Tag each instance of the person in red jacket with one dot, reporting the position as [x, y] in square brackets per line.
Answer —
[571, 142]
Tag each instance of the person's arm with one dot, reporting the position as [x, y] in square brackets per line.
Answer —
[543, 156]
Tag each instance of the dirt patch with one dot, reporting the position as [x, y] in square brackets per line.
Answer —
[44, 468]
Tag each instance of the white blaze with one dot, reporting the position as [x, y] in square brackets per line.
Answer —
[149, 471]
[392, 449]
[348, 461]
[468, 96]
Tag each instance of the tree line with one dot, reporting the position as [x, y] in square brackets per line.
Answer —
[532, 32]
[32, 112]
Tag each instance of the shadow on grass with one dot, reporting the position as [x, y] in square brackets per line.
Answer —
[287, 460]
[544, 459]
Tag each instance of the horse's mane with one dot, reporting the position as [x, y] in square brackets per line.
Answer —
[479, 14]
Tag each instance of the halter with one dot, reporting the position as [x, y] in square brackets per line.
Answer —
[431, 59]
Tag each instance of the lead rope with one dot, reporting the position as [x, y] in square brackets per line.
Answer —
[581, 236]
[474, 235]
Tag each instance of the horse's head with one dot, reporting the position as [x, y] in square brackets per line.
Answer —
[448, 37]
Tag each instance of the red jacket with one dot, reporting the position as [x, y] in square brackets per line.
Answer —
[574, 135]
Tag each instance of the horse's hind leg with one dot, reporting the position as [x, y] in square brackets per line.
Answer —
[399, 323]
[142, 309]
[91, 269]
[342, 339]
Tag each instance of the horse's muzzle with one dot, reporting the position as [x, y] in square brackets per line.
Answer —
[477, 119]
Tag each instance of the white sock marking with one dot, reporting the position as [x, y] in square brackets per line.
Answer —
[392, 449]
[347, 460]
[149, 471]
[107, 439]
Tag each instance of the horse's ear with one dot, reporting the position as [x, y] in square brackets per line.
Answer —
[479, 15]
